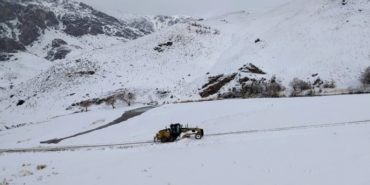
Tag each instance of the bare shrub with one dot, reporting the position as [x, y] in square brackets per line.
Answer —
[299, 85]
[127, 97]
[365, 76]
[40, 167]
[131, 98]
[85, 104]
[256, 88]
[111, 101]
[252, 89]
[329, 84]
[272, 88]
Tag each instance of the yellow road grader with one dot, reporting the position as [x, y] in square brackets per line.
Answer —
[175, 130]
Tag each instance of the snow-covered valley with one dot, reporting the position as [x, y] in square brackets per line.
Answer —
[265, 84]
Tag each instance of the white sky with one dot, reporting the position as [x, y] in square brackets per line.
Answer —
[200, 8]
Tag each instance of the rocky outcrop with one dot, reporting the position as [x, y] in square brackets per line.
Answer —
[30, 19]
[23, 22]
[215, 84]
[250, 68]
[56, 43]
[59, 50]
[9, 45]
[58, 54]
[20, 102]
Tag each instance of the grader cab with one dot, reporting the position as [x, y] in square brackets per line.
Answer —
[175, 130]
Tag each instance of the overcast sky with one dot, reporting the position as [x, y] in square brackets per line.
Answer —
[200, 8]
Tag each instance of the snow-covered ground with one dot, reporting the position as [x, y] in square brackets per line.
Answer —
[312, 140]
[25, 67]
[314, 155]
[215, 116]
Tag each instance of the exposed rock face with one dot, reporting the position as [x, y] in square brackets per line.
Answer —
[25, 20]
[215, 84]
[5, 56]
[58, 54]
[31, 20]
[56, 43]
[22, 22]
[78, 19]
[9, 45]
[59, 50]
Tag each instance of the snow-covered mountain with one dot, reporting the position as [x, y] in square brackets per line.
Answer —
[151, 23]
[34, 32]
[35, 24]
[312, 40]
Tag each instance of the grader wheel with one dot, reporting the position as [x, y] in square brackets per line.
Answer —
[163, 139]
[172, 139]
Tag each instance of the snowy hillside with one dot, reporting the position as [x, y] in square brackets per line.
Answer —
[257, 141]
[309, 40]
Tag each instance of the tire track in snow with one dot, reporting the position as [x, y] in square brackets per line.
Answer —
[292, 128]
[147, 143]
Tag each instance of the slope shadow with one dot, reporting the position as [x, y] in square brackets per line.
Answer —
[125, 116]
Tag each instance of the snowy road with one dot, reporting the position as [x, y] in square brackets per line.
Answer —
[145, 143]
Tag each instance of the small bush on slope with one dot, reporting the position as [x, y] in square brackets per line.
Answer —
[127, 97]
[40, 167]
[271, 88]
[365, 76]
[85, 105]
[111, 101]
[299, 85]
[256, 88]
[330, 84]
